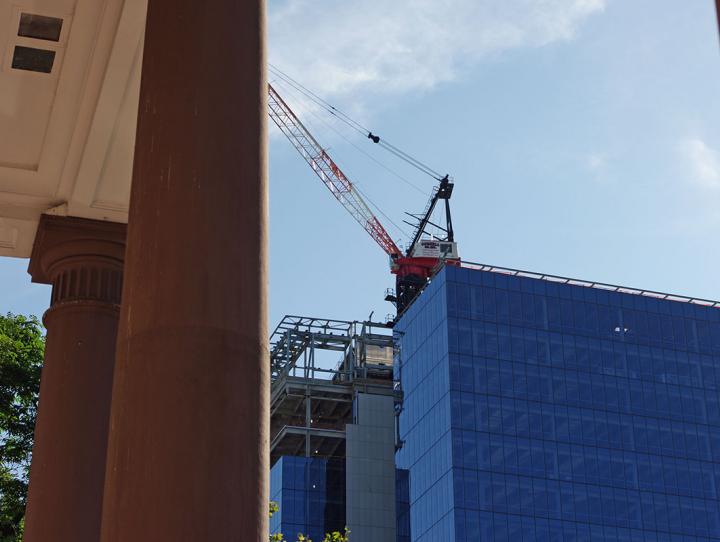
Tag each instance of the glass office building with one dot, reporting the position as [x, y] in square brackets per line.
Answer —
[311, 497]
[547, 411]
[310, 494]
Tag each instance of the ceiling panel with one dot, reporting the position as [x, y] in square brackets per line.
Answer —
[67, 137]
[27, 97]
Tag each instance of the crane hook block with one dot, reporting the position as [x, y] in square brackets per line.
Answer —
[376, 139]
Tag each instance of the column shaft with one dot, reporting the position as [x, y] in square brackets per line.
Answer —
[188, 451]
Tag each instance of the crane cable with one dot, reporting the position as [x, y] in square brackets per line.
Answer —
[355, 184]
[358, 148]
[319, 101]
[402, 155]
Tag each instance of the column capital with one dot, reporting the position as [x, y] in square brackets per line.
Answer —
[81, 258]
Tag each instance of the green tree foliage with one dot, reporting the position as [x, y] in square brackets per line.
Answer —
[21, 356]
[329, 537]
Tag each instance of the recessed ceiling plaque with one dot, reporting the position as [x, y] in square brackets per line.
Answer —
[40, 27]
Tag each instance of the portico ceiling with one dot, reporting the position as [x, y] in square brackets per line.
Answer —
[67, 136]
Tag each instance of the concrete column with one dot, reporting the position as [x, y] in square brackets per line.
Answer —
[83, 260]
[188, 449]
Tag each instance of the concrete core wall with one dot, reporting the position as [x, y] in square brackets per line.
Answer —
[370, 469]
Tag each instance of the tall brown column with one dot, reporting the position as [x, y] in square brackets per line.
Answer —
[83, 260]
[188, 449]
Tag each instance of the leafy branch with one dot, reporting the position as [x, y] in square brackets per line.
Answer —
[335, 536]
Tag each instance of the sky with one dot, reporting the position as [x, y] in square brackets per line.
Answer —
[583, 137]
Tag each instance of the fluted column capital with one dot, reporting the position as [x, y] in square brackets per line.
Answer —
[81, 258]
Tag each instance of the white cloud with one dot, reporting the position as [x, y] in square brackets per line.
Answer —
[703, 161]
[596, 161]
[394, 46]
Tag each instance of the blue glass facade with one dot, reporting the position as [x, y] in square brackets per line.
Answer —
[402, 505]
[535, 410]
[310, 493]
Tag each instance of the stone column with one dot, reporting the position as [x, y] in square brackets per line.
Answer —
[188, 449]
[83, 260]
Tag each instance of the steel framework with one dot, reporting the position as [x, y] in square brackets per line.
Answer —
[361, 348]
[311, 399]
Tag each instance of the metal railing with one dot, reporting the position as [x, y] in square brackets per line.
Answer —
[298, 343]
[589, 284]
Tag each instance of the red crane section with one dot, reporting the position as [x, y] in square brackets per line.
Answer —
[328, 171]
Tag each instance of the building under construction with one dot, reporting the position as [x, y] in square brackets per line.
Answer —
[333, 429]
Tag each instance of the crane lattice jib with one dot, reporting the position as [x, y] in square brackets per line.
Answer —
[328, 171]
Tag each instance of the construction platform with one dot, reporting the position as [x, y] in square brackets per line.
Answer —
[318, 366]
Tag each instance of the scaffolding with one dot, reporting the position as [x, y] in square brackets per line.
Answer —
[317, 366]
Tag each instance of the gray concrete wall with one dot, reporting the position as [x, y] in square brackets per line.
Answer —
[370, 470]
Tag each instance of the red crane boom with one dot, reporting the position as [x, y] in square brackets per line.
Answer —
[328, 171]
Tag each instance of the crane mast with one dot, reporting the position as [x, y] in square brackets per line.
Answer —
[328, 171]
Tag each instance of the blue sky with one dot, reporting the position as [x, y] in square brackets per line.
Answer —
[583, 137]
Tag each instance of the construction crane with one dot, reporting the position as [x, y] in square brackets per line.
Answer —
[423, 257]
